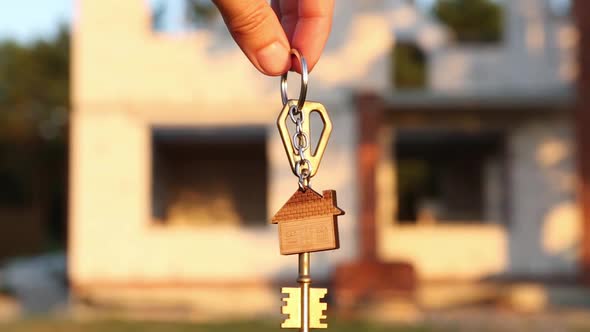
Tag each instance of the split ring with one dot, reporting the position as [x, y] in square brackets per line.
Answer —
[304, 78]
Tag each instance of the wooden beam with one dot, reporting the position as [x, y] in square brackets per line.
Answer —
[582, 127]
[370, 109]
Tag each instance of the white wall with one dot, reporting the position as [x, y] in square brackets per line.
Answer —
[538, 236]
[535, 58]
[536, 53]
[545, 229]
[127, 79]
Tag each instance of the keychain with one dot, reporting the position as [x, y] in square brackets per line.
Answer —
[308, 220]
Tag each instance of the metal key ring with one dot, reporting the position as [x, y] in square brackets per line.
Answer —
[304, 78]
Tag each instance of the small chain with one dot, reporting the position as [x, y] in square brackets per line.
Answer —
[301, 144]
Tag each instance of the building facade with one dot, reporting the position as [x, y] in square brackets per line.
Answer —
[176, 164]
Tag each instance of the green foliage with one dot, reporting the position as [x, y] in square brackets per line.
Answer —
[409, 66]
[34, 88]
[34, 105]
[471, 20]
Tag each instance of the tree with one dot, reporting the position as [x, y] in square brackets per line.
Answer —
[34, 88]
[471, 20]
[409, 69]
[34, 105]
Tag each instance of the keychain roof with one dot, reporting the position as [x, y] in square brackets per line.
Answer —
[308, 204]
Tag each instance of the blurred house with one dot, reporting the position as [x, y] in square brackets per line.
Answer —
[452, 154]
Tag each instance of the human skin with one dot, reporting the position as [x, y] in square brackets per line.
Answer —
[266, 33]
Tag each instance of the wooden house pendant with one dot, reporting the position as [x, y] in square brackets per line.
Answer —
[308, 222]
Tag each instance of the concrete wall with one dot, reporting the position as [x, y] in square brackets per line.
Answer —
[541, 232]
[127, 79]
[437, 251]
[545, 228]
[536, 53]
[112, 234]
[538, 237]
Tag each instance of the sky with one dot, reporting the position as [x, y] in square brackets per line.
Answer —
[27, 20]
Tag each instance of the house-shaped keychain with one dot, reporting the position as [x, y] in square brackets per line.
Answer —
[308, 222]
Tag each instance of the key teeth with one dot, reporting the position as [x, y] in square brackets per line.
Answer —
[318, 308]
[324, 316]
[291, 307]
[284, 309]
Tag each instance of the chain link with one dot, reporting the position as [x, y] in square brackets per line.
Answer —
[300, 144]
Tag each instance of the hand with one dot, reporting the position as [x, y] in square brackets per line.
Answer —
[267, 33]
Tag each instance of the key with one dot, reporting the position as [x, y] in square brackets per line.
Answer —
[308, 222]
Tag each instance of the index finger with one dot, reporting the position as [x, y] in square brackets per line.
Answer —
[307, 24]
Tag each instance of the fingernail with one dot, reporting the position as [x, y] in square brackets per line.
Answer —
[273, 59]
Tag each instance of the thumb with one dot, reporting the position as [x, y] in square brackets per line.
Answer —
[255, 27]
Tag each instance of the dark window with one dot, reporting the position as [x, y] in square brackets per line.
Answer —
[409, 66]
[209, 176]
[472, 21]
[446, 176]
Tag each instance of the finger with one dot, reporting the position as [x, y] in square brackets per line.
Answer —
[289, 15]
[276, 7]
[256, 29]
[307, 24]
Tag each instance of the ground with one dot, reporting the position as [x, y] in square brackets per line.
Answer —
[508, 323]
[44, 325]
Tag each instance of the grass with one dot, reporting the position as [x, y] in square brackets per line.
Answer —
[55, 325]
[45, 325]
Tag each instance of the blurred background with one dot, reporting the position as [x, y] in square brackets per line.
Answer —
[140, 165]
